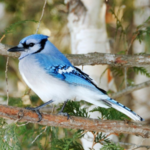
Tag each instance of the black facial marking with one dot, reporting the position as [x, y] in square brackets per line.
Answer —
[42, 45]
[31, 44]
[25, 45]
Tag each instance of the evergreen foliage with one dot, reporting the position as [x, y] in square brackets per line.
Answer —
[67, 143]
[112, 146]
[110, 114]
[8, 138]
[143, 30]
[119, 71]
[73, 108]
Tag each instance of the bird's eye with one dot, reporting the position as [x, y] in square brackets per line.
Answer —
[31, 44]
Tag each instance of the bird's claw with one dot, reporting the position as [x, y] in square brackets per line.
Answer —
[37, 112]
[64, 114]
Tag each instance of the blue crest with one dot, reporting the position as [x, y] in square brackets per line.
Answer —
[34, 36]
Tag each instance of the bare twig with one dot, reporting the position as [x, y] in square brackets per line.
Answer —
[41, 17]
[131, 89]
[19, 125]
[39, 135]
[134, 128]
[2, 38]
[6, 70]
[6, 78]
[125, 77]
[4, 52]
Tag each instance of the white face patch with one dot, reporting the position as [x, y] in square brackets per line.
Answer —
[32, 41]
[35, 48]
[30, 50]
[20, 45]
[70, 69]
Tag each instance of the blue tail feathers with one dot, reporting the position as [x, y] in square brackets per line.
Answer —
[120, 107]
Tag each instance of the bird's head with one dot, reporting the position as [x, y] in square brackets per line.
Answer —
[31, 44]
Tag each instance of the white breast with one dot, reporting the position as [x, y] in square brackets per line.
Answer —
[44, 85]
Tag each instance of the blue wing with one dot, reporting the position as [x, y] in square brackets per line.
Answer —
[65, 71]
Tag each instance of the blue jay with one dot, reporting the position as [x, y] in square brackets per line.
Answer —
[54, 79]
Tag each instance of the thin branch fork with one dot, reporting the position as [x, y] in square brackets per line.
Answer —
[130, 89]
[109, 126]
[96, 58]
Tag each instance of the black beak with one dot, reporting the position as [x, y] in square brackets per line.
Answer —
[16, 49]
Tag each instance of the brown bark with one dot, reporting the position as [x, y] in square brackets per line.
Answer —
[110, 126]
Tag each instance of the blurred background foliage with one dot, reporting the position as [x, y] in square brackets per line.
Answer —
[19, 19]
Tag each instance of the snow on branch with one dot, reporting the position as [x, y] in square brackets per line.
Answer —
[96, 58]
[111, 126]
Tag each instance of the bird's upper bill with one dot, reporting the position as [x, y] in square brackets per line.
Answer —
[16, 49]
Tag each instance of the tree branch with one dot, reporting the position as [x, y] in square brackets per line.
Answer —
[96, 58]
[131, 89]
[134, 146]
[4, 52]
[23, 115]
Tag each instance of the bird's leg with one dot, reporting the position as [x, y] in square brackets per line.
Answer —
[64, 113]
[39, 114]
[36, 109]
[39, 107]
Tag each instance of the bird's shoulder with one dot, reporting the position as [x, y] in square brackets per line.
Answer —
[51, 60]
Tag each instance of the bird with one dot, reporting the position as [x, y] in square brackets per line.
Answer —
[55, 80]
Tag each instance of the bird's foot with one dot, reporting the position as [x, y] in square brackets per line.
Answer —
[64, 114]
[37, 109]
[37, 112]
